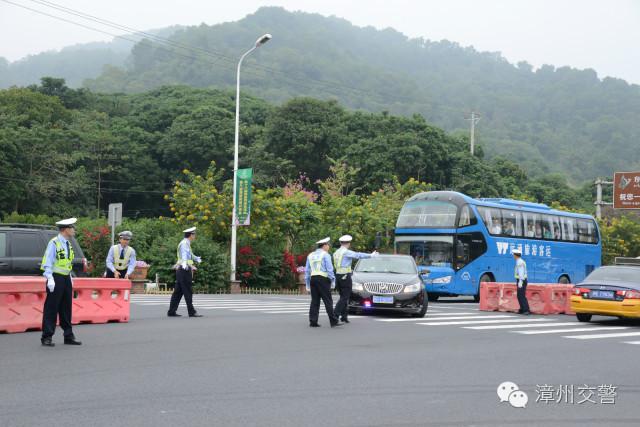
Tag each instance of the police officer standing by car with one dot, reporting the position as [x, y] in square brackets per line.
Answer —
[521, 281]
[343, 259]
[57, 264]
[320, 279]
[184, 275]
[121, 259]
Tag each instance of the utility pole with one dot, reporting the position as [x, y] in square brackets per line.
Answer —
[475, 118]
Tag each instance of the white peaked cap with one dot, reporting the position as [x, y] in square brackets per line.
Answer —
[67, 222]
[516, 252]
[346, 238]
[190, 230]
[323, 241]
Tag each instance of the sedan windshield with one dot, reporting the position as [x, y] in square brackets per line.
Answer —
[615, 274]
[398, 265]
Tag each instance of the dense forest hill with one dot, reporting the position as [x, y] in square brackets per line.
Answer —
[73, 63]
[70, 151]
[549, 120]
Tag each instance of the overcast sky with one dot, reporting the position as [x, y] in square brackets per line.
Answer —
[602, 35]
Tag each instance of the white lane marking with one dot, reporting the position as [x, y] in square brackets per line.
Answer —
[461, 313]
[526, 325]
[417, 319]
[632, 342]
[602, 336]
[475, 322]
[558, 331]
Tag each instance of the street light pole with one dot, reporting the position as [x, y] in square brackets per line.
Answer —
[262, 40]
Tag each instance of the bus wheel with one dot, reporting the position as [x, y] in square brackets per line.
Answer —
[433, 297]
[483, 279]
[583, 317]
[564, 280]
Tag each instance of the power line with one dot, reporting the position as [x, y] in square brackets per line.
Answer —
[305, 82]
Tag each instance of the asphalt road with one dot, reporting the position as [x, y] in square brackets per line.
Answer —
[253, 361]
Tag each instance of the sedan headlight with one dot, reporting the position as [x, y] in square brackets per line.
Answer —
[442, 280]
[415, 287]
[357, 287]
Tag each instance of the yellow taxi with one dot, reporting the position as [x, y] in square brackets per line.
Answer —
[609, 291]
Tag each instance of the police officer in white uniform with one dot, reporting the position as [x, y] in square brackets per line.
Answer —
[342, 259]
[57, 264]
[121, 259]
[184, 275]
[320, 279]
[521, 281]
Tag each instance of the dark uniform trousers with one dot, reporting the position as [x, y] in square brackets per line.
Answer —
[184, 281]
[343, 286]
[321, 290]
[110, 274]
[522, 297]
[58, 303]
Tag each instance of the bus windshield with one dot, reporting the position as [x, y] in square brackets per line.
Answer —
[427, 250]
[427, 213]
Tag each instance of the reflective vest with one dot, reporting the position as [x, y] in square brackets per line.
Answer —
[180, 260]
[315, 262]
[121, 263]
[518, 262]
[337, 261]
[63, 264]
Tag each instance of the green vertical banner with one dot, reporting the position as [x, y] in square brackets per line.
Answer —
[243, 196]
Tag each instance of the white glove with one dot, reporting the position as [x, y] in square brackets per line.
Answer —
[307, 287]
[519, 283]
[184, 266]
[198, 259]
[333, 284]
[374, 254]
[51, 284]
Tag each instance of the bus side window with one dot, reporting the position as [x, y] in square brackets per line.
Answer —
[569, 229]
[511, 223]
[555, 228]
[587, 231]
[495, 223]
[547, 227]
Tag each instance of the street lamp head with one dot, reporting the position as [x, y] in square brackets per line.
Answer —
[262, 40]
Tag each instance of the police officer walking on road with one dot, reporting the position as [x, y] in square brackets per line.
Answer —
[320, 279]
[184, 275]
[342, 259]
[57, 264]
[521, 281]
[121, 259]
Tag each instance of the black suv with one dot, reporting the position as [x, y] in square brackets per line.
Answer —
[22, 247]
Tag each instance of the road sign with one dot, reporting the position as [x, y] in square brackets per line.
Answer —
[626, 190]
[115, 219]
[243, 196]
[115, 213]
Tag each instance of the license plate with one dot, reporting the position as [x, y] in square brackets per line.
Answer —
[382, 300]
[602, 294]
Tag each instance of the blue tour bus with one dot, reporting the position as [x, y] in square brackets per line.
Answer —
[463, 241]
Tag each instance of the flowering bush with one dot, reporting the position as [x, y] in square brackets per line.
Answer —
[142, 264]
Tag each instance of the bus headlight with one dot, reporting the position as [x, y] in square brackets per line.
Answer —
[442, 280]
[415, 287]
[357, 286]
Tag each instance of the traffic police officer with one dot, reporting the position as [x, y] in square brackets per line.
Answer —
[121, 259]
[342, 259]
[57, 264]
[320, 279]
[521, 281]
[184, 275]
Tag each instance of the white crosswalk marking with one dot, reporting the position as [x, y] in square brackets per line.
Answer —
[498, 316]
[526, 325]
[603, 336]
[472, 322]
[565, 330]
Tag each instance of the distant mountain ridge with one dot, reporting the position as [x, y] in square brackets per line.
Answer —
[549, 120]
